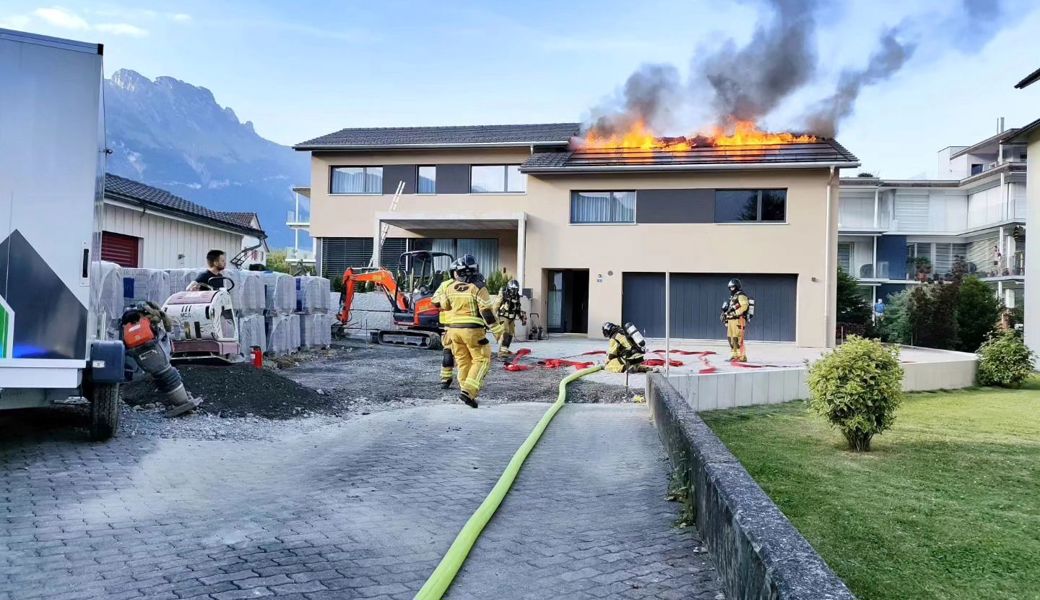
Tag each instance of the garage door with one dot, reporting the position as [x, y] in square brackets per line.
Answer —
[697, 300]
[120, 249]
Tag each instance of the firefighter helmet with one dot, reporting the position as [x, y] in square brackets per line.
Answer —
[467, 263]
[513, 285]
[609, 329]
[733, 285]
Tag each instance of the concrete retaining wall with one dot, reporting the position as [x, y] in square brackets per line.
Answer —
[757, 552]
[771, 386]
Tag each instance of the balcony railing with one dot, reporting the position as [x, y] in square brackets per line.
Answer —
[293, 255]
[292, 220]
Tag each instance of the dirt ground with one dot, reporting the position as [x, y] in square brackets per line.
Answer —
[353, 377]
[371, 375]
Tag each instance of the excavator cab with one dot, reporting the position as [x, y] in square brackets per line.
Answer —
[417, 280]
[409, 290]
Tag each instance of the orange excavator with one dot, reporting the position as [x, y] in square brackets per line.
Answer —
[416, 319]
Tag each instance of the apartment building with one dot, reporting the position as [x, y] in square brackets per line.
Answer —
[591, 234]
[897, 233]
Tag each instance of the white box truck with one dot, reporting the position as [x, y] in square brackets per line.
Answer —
[52, 158]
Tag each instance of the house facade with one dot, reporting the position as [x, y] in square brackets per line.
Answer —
[898, 233]
[591, 235]
[146, 227]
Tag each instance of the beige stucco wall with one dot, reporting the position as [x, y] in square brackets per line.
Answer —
[1032, 295]
[798, 247]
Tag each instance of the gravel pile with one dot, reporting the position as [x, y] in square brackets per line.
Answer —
[242, 391]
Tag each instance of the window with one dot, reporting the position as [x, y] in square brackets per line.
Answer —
[515, 180]
[845, 256]
[491, 179]
[603, 207]
[976, 168]
[740, 206]
[427, 180]
[357, 180]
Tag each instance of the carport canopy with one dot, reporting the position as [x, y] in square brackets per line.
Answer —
[422, 223]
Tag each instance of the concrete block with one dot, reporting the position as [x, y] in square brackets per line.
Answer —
[743, 389]
[791, 384]
[727, 389]
[760, 387]
[803, 385]
[910, 376]
[709, 392]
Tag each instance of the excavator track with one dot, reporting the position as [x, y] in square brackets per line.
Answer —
[403, 337]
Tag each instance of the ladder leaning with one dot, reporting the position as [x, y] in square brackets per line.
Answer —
[384, 228]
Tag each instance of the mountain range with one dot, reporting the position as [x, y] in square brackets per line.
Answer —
[175, 136]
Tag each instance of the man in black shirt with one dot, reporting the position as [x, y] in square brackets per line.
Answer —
[213, 276]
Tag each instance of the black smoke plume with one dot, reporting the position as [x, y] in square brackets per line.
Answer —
[749, 82]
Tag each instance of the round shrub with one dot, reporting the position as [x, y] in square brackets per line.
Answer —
[1005, 361]
[857, 387]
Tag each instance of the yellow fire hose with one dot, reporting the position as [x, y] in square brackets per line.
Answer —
[449, 566]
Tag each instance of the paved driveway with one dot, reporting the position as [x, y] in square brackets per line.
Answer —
[364, 509]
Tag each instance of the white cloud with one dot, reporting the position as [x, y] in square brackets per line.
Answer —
[121, 29]
[181, 17]
[61, 18]
[15, 22]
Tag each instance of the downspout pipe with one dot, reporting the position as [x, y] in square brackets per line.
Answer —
[828, 275]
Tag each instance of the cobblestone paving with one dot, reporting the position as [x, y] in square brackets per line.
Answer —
[360, 510]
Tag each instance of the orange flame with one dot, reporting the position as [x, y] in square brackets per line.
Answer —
[745, 133]
[640, 137]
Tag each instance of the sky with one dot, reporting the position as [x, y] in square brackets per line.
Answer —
[301, 69]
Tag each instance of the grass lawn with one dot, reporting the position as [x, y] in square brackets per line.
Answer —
[946, 505]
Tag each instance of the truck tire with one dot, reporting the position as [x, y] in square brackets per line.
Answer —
[104, 411]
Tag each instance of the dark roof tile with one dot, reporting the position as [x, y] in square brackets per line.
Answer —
[463, 135]
[121, 187]
[823, 151]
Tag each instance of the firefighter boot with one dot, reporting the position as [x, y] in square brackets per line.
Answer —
[447, 367]
[470, 401]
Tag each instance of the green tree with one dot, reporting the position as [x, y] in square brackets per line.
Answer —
[276, 262]
[497, 280]
[895, 327]
[978, 311]
[933, 315]
[852, 306]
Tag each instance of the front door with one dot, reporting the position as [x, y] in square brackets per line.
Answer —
[568, 301]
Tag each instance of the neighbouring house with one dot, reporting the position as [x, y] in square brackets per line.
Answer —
[591, 234]
[1030, 136]
[147, 227]
[895, 233]
[254, 246]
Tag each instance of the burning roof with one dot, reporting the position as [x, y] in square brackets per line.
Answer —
[698, 153]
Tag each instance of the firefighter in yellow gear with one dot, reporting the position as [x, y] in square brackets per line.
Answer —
[734, 316]
[447, 359]
[470, 306]
[506, 307]
[627, 349]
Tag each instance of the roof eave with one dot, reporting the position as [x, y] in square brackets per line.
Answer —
[305, 147]
[1021, 136]
[703, 167]
[1029, 80]
[161, 208]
